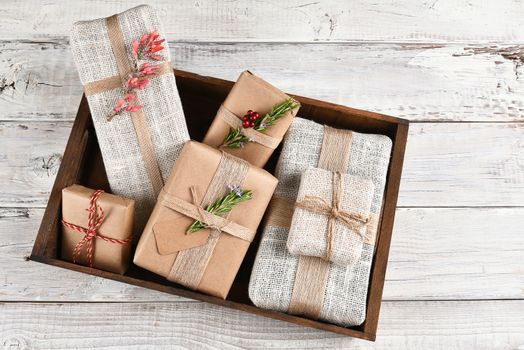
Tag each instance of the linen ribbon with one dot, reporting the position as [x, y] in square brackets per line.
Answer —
[94, 221]
[353, 220]
[125, 67]
[256, 136]
[190, 264]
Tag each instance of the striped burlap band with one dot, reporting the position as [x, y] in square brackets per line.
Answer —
[190, 264]
[255, 136]
[125, 67]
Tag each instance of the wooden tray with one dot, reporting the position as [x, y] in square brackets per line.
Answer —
[201, 96]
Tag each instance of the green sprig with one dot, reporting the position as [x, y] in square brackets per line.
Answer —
[235, 138]
[223, 206]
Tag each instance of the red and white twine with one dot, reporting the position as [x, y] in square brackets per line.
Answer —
[94, 220]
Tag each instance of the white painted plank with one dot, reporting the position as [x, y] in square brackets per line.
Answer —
[296, 20]
[435, 254]
[403, 325]
[447, 164]
[416, 82]
[462, 164]
[456, 253]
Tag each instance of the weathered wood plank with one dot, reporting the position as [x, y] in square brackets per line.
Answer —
[417, 82]
[456, 253]
[436, 254]
[296, 20]
[446, 164]
[403, 325]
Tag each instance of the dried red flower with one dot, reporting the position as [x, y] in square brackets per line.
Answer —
[144, 49]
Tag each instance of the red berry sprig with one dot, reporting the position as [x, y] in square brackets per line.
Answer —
[249, 119]
[236, 139]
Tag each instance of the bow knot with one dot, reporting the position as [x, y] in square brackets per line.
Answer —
[94, 221]
[206, 217]
[353, 220]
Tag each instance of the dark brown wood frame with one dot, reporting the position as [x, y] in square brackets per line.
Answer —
[201, 97]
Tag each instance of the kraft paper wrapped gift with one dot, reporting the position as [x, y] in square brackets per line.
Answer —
[250, 93]
[111, 245]
[306, 285]
[207, 260]
[332, 217]
[138, 148]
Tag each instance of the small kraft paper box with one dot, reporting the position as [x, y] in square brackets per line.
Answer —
[96, 228]
[250, 93]
[206, 260]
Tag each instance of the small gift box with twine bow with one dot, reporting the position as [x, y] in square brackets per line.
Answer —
[332, 218]
[205, 219]
[96, 228]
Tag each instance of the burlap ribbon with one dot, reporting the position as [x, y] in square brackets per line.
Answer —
[190, 264]
[255, 136]
[125, 67]
[311, 276]
[353, 220]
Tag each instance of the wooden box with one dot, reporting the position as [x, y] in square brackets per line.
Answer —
[201, 97]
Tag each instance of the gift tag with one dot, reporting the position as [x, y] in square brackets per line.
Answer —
[170, 240]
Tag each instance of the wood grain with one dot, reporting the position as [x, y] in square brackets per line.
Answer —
[447, 164]
[284, 21]
[38, 81]
[436, 253]
[403, 325]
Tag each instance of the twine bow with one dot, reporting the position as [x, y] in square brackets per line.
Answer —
[211, 221]
[353, 220]
[94, 221]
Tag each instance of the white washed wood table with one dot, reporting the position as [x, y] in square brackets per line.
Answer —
[455, 68]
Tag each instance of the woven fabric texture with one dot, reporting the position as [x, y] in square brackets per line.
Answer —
[162, 109]
[273, 274]
[309, 230]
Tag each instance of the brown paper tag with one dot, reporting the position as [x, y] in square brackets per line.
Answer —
[170, 240]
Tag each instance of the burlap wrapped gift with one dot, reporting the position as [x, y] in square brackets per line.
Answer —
[331, 218]
[305, 285]
[139, 148]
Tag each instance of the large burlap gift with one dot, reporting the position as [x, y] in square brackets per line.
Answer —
[139, 148]
[331, 218]
[306, 285]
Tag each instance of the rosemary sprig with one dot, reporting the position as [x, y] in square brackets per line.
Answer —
[275, 114]
[235, 138]
[223, 205]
